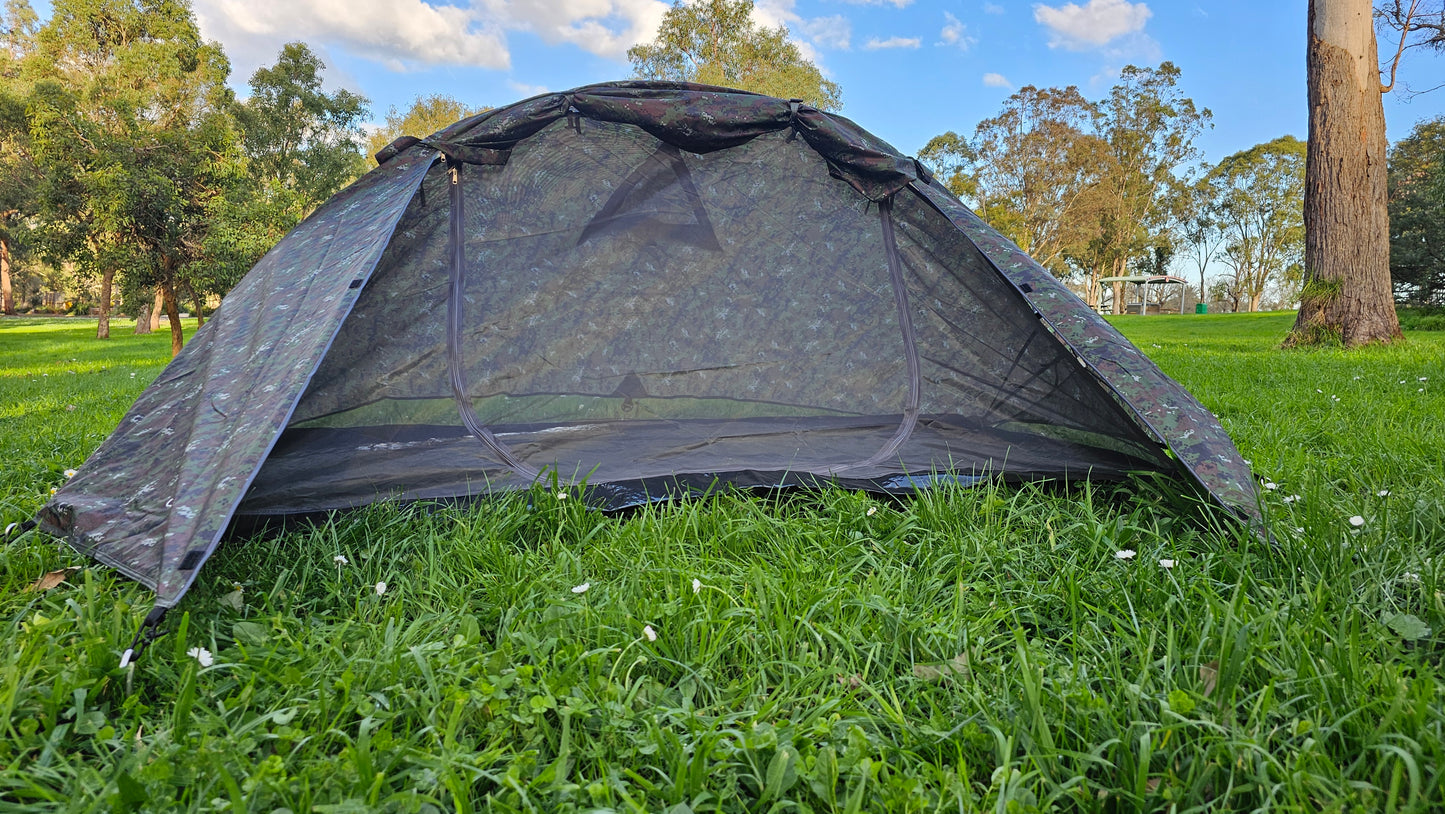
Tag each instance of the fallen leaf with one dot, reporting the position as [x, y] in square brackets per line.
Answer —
[852, 681]
[1151, 784]
[1209, 676]
[958, 665]
[52, 579]
[235, 599]
[1408, 626]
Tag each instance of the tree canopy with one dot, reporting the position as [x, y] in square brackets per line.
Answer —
[716, 42]
[427, 114]
[1417, 214]
[1258, 206]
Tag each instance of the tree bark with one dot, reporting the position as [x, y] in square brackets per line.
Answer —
[143, 319]
[158, 305]
[107, 282]
[173, 311]
[7, 300]
[1347, 297]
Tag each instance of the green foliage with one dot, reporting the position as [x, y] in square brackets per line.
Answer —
[299, 139]
[976, 650]
[131, 136]
[1421, 319]
[1257, 206]
[427, 115]
[1083, 186]
[716, 42]
[1417, 214]
[298, 146]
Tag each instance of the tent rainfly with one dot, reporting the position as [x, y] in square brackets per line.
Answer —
[654, 288]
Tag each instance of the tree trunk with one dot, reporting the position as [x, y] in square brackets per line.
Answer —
[158, 305]
[200, 313]
[107, 281]
[1347, 296]
[7, 301]
[1119, 298]
[143, 319]
[173, 311]
[1254, 301]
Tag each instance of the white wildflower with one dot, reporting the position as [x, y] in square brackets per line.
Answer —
[649, 633]
[1357, 521]
[581, 589]
[1290, 498]
[1166, 564]
[380, 588]
[561, 495]
[53, 490]
[696, 585]
[1271, 485]
[872, 510]
[69, 473]
[340, 559]
[1126, 554]
[1411, 576]
[202, 655]
[1383, 493]
[1424, 378]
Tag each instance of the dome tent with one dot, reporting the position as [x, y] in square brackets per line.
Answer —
[652, 287]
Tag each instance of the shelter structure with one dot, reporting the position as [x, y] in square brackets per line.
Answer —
[652, 288]
[1141, 284]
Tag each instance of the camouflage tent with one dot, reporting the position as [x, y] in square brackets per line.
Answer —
[651, 287]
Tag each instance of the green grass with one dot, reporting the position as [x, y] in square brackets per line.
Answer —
[960, 651]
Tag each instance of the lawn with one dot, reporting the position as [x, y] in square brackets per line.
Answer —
[987, 649]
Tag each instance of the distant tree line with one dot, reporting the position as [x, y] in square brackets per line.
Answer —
[1108, 188]
[127, 161]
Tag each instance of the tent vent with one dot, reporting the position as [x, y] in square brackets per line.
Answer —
[192, 559]
[355, 283]
[1026, 288]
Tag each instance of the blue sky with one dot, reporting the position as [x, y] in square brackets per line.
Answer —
[909, 69]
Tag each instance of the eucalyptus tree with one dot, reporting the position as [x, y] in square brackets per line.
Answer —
[427, 114]
[1035, 165]
[131, 128]
[716, 42]
[18, 24]
[1259, 209]
[1149, 127]
[1348, 297]
[299, 144]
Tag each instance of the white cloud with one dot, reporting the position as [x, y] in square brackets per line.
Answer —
[997, 80]
[525, 90]
[992, 8]
[828, 32]
[398, 34]
[876, 44]
[1094, 24]
[409, 34]
[955, 33]
[606, 28]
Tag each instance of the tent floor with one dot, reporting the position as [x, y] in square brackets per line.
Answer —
[631, 462]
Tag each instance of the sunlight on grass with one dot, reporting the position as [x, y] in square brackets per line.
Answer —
[986, 649]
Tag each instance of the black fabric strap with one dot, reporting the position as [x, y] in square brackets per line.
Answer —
[149, 632]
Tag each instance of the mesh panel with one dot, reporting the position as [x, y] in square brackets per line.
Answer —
[629, 310]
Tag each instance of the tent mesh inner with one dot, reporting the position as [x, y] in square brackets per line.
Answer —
[630, 311]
